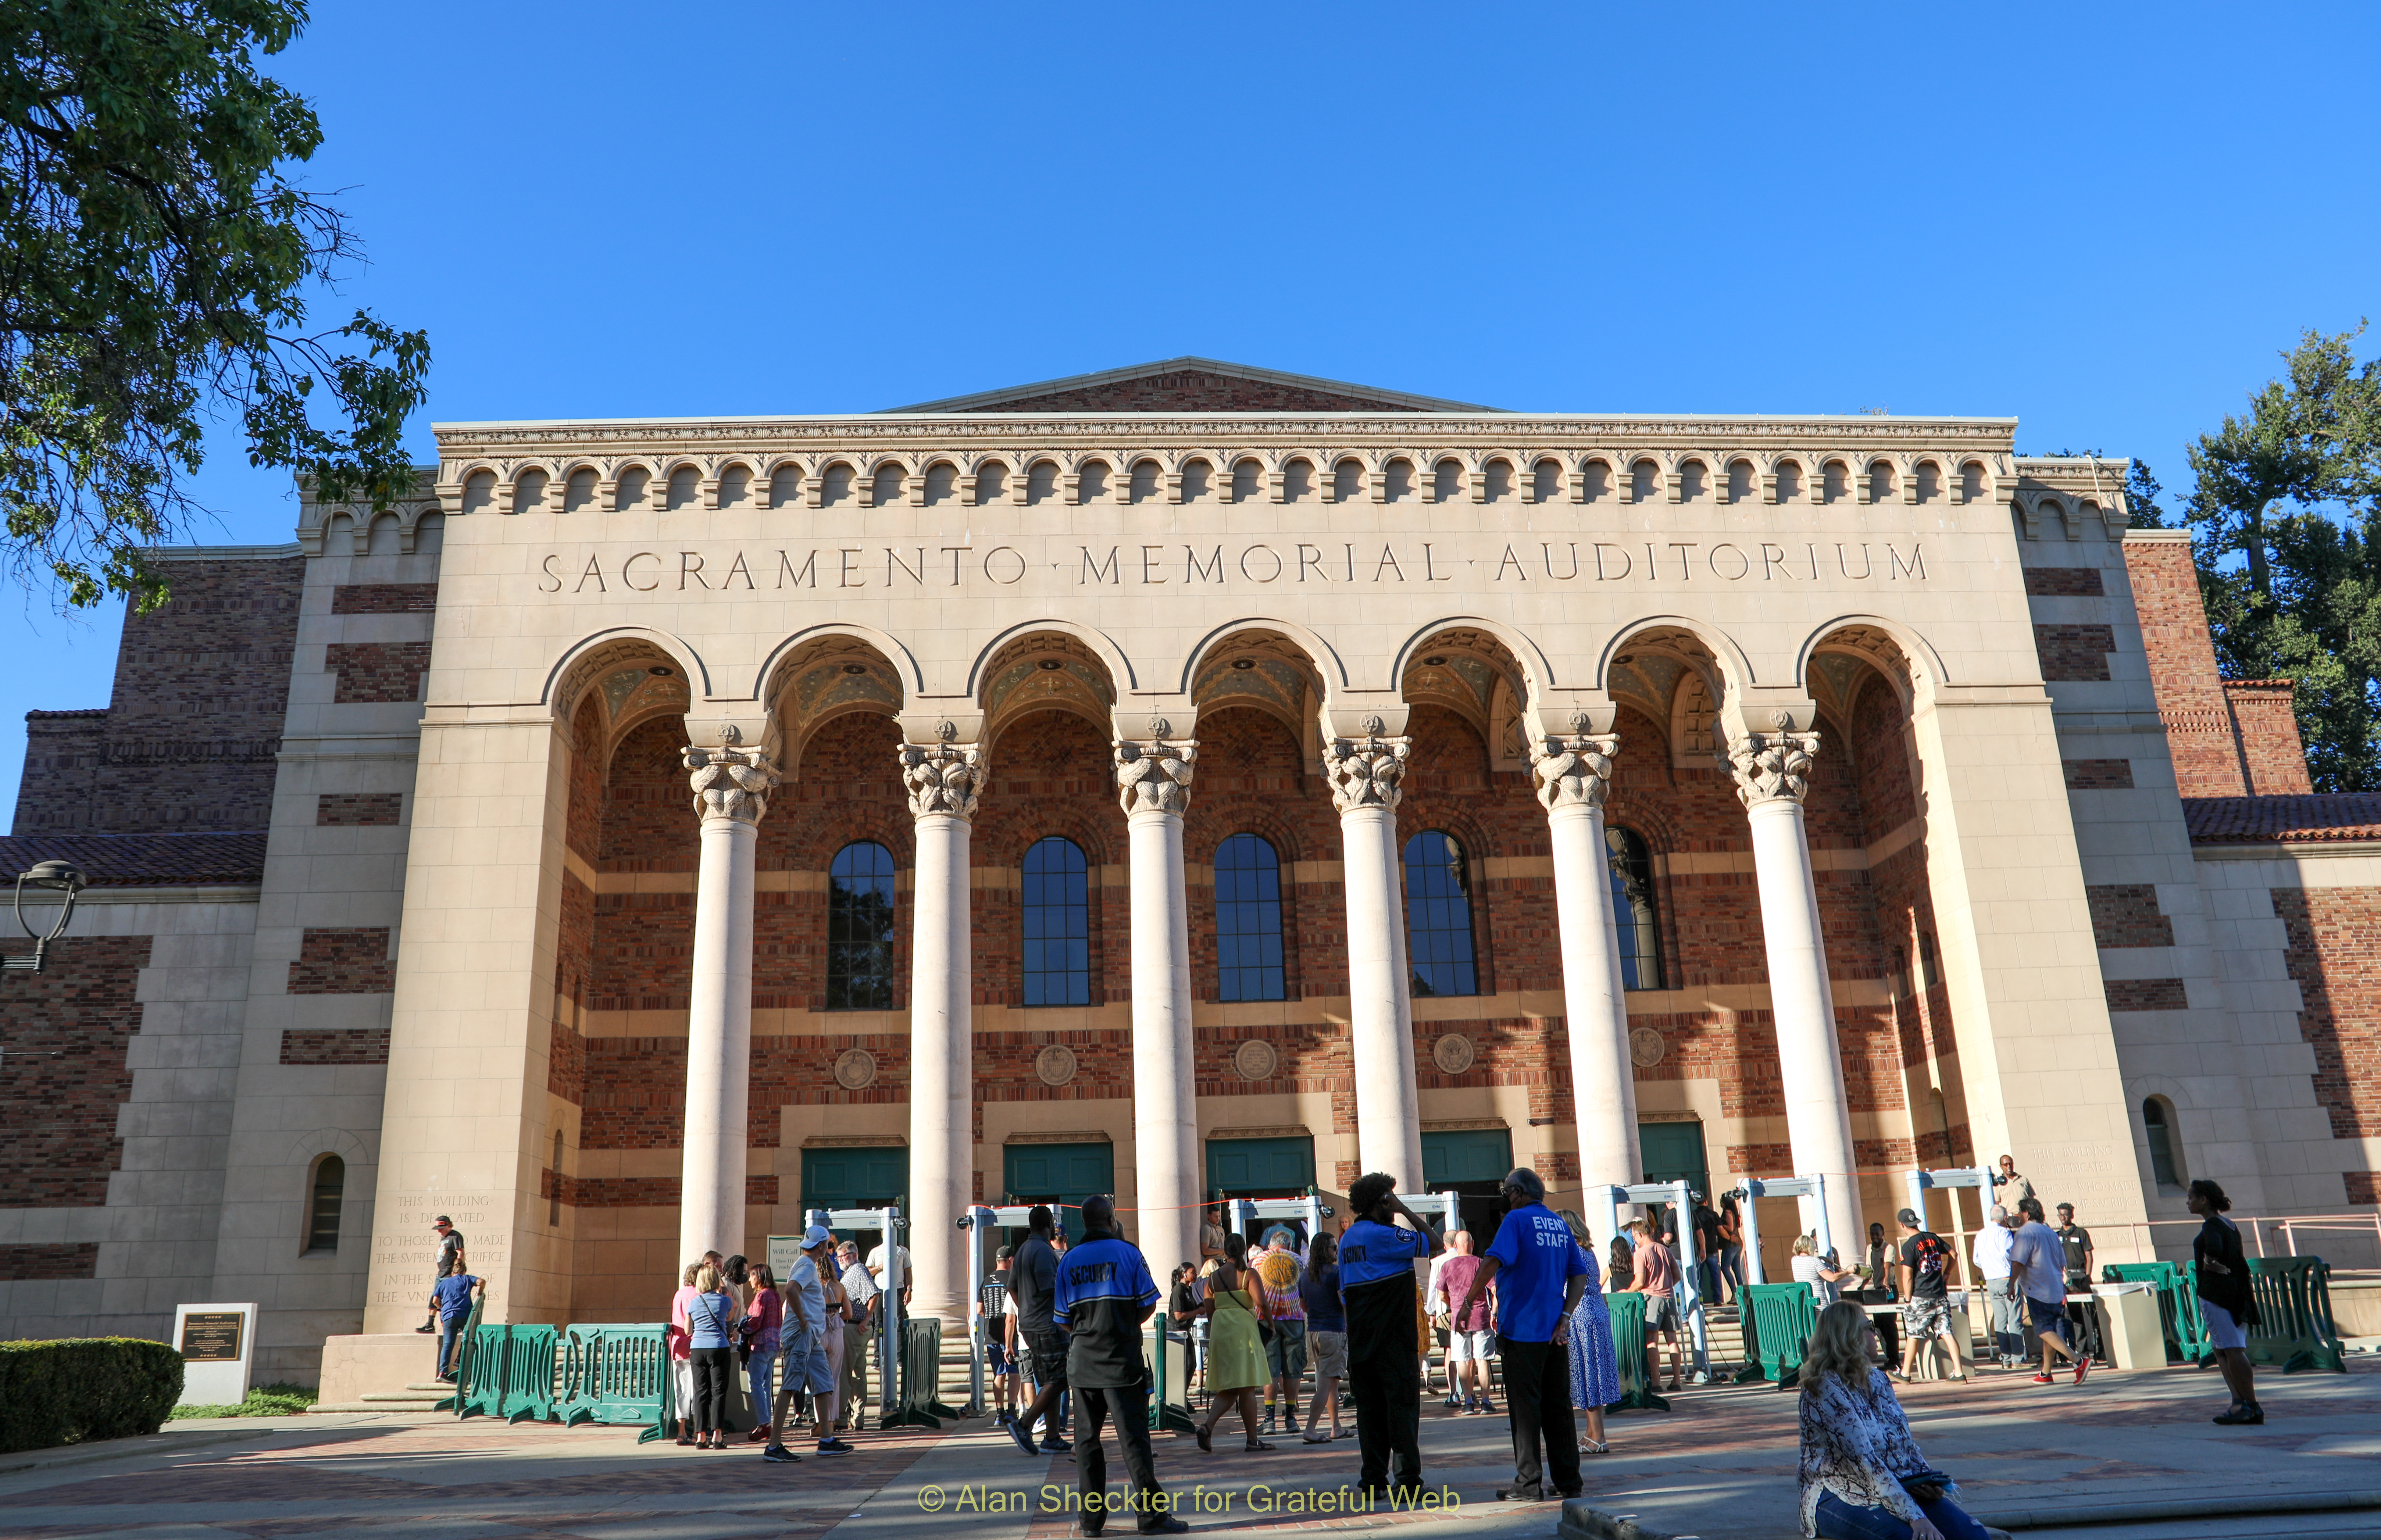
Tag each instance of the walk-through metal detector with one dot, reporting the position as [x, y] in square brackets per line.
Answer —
[889, 1223]
[1680, 1194]
[1813, 1188]
[982, 1224]
[1246, 1214]
[1951, 1179]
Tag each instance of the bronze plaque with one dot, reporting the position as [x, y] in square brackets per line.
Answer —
[212, 1337]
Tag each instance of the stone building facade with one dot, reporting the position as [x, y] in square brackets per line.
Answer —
[1181, 781]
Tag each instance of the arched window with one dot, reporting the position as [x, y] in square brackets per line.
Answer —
[1248, 920]
[1058, 925]
[859, 928]
[1632, 908]
[323, 1203]
[2157, 1118]
[1439, 915]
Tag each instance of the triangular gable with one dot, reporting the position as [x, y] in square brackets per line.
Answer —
[1190, 385]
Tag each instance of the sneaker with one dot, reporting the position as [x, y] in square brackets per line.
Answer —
[777, 1454]
[1024, 1437]
[1487, 1407]
[1454, 1400]
[1057, 1446]
[1519, 1494]
[426, 1331]
[1288, 1421]
[2083, 1367]
[1168, 1524]
[1267, 1427]
[2044, 1379]
[835, 1445]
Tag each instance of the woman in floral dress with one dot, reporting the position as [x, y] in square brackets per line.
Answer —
[1594, 1367]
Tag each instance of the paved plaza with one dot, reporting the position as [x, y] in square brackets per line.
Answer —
[1720, 1463]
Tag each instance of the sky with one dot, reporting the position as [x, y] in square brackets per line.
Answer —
[2106, 221]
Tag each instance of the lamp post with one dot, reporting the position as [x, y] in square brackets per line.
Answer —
[56, 876]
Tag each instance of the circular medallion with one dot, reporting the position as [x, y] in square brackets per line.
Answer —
[1453, 1053]
[1646, 1046]
[1159, 726]
[1055, 1065]
[855, 1069]
[1256, 1059]
[1373, 727]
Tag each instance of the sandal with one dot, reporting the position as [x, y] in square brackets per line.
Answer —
[1258, 1446]
[1343, 1433]
[1205, 1434]
[1590, 1446]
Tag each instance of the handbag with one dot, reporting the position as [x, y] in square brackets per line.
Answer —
[1928, 1485]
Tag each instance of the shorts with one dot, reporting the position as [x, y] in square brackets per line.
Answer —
[2044, 1314]
[1049, 1356]
[1472, 1347]
[1330, 1353]
[1661, 1314]
[996, 1360]
[1285, 1354]
[2222, 1330]
[1922, 1318]
[805, 1354]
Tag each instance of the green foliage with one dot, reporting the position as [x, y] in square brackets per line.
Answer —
[157, 262]
[2293, 491]
[72, 1392]
[263, 1400]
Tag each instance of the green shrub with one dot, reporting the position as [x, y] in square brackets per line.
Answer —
[73, 1392]
[263, 1400]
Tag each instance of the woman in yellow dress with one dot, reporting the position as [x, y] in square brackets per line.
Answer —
[1236, 1360]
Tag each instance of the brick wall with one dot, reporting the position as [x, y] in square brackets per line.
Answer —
[348, 1046]
[23, 1264]
[383, 598]
[2098, 774]
[2182, 668]
[2074, 653]
[2080, 582]
[374, 672]
[364, 808]
[2126, 914]
[189, 737]
[2145, 995]
[2335, 954]
[353, 961]
[57, 1115]
[2265, 732]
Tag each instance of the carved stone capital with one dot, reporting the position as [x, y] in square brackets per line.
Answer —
[731, 782]
[1154, 775]
[1366, 772]
[1575, 771]
[1770, 766]
[944, 777]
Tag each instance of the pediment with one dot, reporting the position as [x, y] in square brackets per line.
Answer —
[1191, 385]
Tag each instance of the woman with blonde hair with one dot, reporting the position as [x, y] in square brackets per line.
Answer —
[1825, 1280]
[711, 1318]
[1862, 1475]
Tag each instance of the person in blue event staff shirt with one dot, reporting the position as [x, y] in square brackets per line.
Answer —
[1540, 1272]
[1104, 1293]
[1376, 1284]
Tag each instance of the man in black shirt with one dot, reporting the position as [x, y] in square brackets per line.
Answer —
[1105, 1293]
[1033, 1279]
[2077, 1242]
[1706, 1220]
[992, 1308]
[1925, 1304]
[1376, 1283]
[450, 1261]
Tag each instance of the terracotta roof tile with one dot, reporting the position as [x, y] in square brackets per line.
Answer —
[143, 860]
[2323, 816]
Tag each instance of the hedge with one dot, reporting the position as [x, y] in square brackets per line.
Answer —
[72, 1392]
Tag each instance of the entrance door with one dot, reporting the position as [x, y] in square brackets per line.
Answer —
[1672, 1151]
[1472, 1163]
[1260, 1167]
[863, 1177]
[1059, 1175]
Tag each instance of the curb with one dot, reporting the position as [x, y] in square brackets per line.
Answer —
[2357, 1500]
[122, 1448]
[1581, 1521]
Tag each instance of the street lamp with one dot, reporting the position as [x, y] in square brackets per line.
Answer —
[56, 876]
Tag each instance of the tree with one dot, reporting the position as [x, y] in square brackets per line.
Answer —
[2287, 512]
[154, 264]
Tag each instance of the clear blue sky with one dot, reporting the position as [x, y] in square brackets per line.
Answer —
[2104, 220]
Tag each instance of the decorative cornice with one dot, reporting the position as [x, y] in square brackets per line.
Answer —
[944, 777]
[1574, 770]
[1366, 772]
[731, 782]
[1154, 775]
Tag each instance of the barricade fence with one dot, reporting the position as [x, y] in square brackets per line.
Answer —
[2295, 1330]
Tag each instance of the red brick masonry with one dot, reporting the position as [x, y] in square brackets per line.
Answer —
[57, 1121]
[370, 807]
[351, 1045]
[2126, 914]
[2074, 654]
[377, 671]
[344, 962]
[35, 1263]
[383, 598]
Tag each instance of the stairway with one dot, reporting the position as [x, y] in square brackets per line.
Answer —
[417, 1398]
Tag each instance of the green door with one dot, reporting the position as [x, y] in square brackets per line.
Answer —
[1260, 1167]
[1058, 1174]
[857, 1177]
[1461, 1156]
[1673, 1151]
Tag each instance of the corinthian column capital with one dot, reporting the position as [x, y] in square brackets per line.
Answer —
[1366, 772]
[731, 782]
[1771, 766]
[1574, 770]
[944, 777]
[1154, 775]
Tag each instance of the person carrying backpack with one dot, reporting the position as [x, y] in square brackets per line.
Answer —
[1926, 1307]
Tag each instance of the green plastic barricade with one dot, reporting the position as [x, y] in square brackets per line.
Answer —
[916, 1405]
[619, 1377]
[2294, 1327]
[1637, 1373]
[1783, 1316]
[2178, 1293]
[480, 1378]
[528, 1392]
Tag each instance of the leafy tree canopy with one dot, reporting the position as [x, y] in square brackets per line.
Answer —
[154, 260]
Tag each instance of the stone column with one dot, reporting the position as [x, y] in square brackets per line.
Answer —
[1771, 771]
[1154, 786]
[1572, 775]
[1366, 775]
[943, 780]
[731, 794]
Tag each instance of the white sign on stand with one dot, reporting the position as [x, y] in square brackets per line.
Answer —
[218, 1344]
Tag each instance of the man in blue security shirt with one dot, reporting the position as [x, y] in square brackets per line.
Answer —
[1540, 1273]
[1376, 1283]
[1103, 1295]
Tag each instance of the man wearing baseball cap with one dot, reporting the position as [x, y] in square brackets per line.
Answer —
[1925, 1303]
[805, 1356]
[450, 1257]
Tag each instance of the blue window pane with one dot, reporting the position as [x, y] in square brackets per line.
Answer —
[1057, 928]
[860, 929]
[1248, 920]
[1439, 915]
[1631, 866]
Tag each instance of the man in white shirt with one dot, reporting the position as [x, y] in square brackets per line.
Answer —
[1990, 1251]
[2038, 1261]
[857, 1334]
